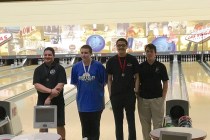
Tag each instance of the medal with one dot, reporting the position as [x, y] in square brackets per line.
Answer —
[86, 74]
[47, 79]
[123, 74]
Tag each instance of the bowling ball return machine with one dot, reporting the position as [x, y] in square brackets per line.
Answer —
[176, 109]
[9, 120]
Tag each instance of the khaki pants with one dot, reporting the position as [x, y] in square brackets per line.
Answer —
[150, 111]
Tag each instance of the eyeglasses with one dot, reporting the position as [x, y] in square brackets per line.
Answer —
[121, 45]
[150, 51]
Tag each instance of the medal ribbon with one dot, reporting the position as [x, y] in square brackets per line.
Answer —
[122, 66]
[88, 67]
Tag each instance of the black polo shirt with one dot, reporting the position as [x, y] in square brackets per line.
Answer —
[151, 77]
[49, 77]
[122, 84]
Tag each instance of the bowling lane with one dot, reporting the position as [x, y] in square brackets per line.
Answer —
[167, 64]
[198, 86]
[18, 77]
[22, 87]
[17, 70]
[15, 90]
[18, 89]
[4, 67]
[15, 78]
[169, 94]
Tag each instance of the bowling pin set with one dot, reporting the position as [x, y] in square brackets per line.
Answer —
[1, 62]
[141, 58]
[17, 63]
[62, 61]
[65, 61]
[207, 57]
[160, 58]
[188, 58]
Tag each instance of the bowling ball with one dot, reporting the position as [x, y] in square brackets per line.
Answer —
[176, 112]
[96, 42]
[185, 121]
[164, 45]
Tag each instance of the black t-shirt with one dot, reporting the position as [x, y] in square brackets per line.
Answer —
[151, 77]
[122, 84]
[49, 77]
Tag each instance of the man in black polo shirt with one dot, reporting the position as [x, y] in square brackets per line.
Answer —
[153, 88]
[123, 82]
[49, 79]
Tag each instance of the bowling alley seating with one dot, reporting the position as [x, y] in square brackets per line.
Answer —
[176, 109]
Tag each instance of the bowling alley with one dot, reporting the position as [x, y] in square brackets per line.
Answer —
[104, 70]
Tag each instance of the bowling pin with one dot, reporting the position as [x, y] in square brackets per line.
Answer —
[15, 62]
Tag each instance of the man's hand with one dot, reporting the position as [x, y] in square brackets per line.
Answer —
[47, 101]
[54, 92]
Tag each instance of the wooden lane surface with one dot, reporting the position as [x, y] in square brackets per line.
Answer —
[4, 67]
[17, 70]
[198, 86]
[19, 88]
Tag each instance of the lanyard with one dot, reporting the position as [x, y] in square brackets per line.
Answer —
[88, 67]
[122, 66]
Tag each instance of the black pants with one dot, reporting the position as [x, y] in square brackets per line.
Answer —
[90, 122]
[119, 103]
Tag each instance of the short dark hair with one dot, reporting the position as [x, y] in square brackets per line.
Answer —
[50, 49]
[122, 39]
[87, 47]
[151, 47]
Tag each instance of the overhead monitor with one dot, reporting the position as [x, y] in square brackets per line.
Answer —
[45, 116]
[170, 135]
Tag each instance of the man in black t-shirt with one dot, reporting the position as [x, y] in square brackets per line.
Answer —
[153, 88]
[49, 79]
[123, 82]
